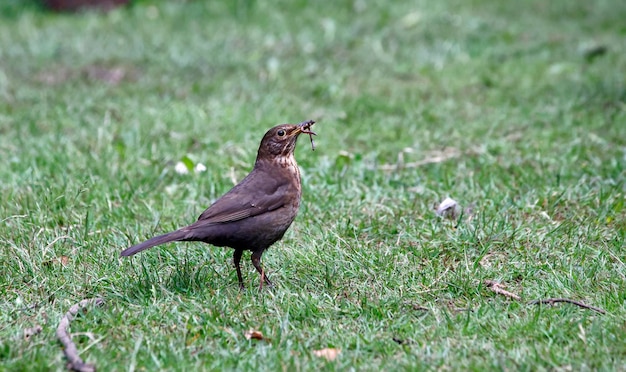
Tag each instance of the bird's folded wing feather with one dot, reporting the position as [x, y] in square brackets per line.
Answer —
[243, 202]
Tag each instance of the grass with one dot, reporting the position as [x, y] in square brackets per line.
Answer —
[526, 99]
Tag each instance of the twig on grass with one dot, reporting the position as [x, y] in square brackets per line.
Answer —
[552, 301]
[74, 362]
[499, 289]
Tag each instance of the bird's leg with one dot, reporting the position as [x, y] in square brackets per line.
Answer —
[256, 261]
[237, 260]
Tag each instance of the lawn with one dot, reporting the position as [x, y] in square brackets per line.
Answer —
[516, 110]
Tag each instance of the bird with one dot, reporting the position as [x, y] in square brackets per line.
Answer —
[257, 211]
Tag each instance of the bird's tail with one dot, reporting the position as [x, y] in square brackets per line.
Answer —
[157, 240]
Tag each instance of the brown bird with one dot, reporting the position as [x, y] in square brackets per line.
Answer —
[255, 213]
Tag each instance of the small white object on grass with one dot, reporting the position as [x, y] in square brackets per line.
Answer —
[448, 208]
[199, 168]
[181, 168]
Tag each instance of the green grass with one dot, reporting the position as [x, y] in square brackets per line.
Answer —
[96, 109]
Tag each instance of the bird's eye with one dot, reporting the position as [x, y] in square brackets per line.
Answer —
[280, 133]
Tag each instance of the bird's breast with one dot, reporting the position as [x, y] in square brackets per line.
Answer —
[289, 167]
[285, 174]
[288, 163]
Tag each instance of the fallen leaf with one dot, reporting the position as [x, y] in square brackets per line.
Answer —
[54, 76]
[63, 260]
[252, 334]
[30, 332]
[329, 354]
[110, 75]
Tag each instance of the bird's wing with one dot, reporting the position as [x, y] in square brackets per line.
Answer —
[256, 196]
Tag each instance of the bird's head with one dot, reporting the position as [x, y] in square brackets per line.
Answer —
[280, 141]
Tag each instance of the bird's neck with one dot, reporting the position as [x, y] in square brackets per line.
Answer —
[284, 171]
[287, 162]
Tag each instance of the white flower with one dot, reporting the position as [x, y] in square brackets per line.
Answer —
[181, 168]
[199, 168]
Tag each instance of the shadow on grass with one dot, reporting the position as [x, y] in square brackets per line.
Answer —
[190, 278]
[183, 275]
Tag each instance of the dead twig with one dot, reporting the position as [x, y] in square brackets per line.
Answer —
[499, 289]
[74, 362]
[552, 301]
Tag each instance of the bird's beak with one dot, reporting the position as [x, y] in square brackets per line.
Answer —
[304, 128]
